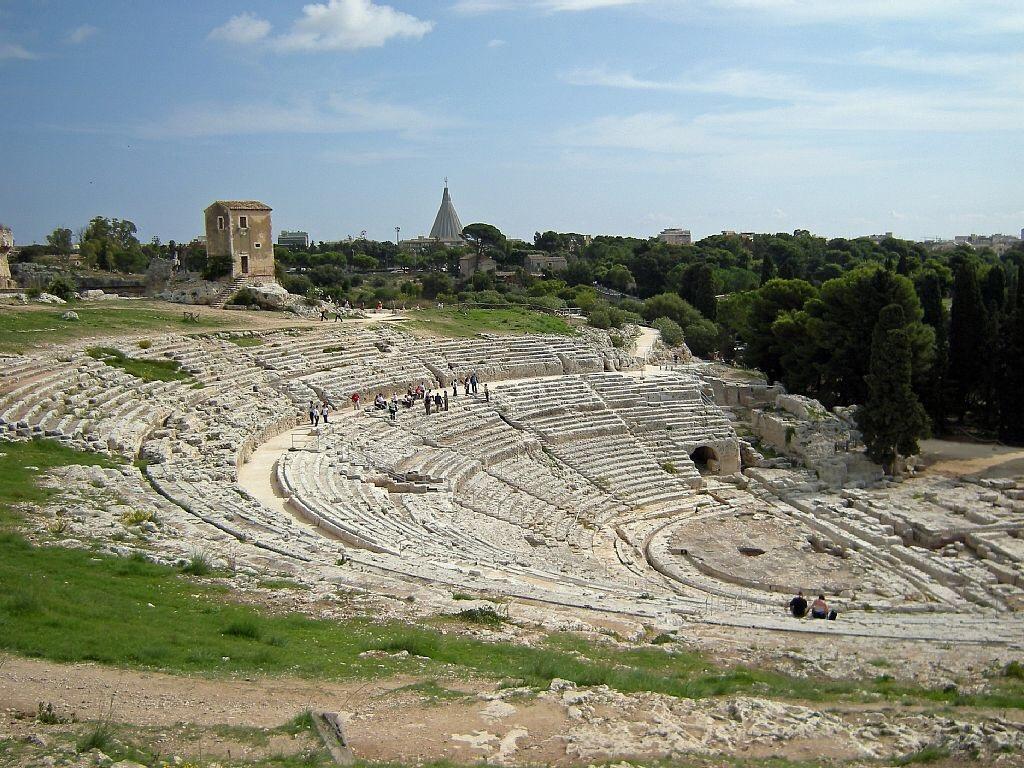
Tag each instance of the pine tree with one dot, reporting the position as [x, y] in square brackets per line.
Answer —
[767, 268]
[933, 395]
[892, 419]
[967, 332]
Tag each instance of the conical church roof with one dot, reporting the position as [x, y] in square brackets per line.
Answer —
[447, 227]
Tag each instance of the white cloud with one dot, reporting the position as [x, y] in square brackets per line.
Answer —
[470, 7]
[337, 114]
[15, 51]
[81, 33]
[942, 63]
[337, 25]
[743, 83]
[244, 29]
[987, 16]
[496, 43]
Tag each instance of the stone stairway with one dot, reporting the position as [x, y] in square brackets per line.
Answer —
[229, 290]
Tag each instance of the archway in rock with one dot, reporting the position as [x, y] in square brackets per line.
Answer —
[705, 459]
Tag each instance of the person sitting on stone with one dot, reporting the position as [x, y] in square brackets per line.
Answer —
[819, 608]
[380, 402]
[798, 606]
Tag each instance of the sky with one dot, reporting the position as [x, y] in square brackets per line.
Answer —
[844, 117]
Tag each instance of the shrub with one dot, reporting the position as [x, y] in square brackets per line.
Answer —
[47, 715]
[243, 298]
[62, 288]
[702, 337]
[59, 527]
[100, 738]
[217, 267]
[485, 616]
[669, 467]
[671, 331]
[137, 517]
[1015, 670]
[145, 343]
[199, 564]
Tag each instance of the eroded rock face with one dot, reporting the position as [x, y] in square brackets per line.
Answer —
[606, 724]
[273, 296]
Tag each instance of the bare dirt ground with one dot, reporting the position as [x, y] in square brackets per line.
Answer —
[462, 721]
[960, 459]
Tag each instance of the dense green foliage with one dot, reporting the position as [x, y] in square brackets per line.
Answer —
[800, 308]
[892, 417]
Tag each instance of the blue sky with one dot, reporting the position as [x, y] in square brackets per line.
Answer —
[845, 117]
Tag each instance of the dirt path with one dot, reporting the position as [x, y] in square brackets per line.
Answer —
[645, 342]
[385, 720]
[950, 457]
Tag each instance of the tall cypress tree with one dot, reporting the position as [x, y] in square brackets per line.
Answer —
[767, 268]
[929, 291]
[993, 289]
[1011, 402]
[893, 418]
[967, 333]
[705, 292]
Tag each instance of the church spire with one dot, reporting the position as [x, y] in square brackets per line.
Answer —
[447, 227]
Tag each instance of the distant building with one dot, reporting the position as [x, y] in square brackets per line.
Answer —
[447, 229]
[676, 237]
[470, 264]
[539, 261]
[241, 229]
[999, 243]
[6, 248]
[293, 241]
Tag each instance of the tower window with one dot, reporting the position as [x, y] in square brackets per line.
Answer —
[220, 223]
[243, 222]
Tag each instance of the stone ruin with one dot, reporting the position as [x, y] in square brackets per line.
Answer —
[582, 482]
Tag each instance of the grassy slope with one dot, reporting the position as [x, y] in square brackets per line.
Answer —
[145, 369]
[463, 323]
[22, 328]
[76, 605]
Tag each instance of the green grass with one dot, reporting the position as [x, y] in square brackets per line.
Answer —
[247, 341]
[466, 323]
[930, 754]
[145, 369]
[282, 584]
[74, 605]
[22, 463]
[23, 328]
[484, 616]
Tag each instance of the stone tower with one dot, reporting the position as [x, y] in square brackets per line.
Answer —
[6, 247]
[241, 229]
